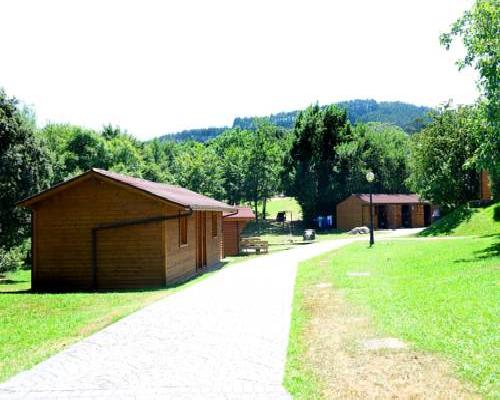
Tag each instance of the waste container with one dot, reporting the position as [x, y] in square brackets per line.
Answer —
[309, 234]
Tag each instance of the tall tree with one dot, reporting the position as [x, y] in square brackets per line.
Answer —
[24, 169]
[265, 164]
[439, 163]
[314, 172]
[381, 148]
[199, 168]
[479, 29]
[233, 146]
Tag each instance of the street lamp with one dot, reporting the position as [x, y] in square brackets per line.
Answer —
[370, 176]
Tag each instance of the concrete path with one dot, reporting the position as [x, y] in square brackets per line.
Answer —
[223, 338]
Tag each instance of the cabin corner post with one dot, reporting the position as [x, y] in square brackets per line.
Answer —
[33, 257]
[94, 258]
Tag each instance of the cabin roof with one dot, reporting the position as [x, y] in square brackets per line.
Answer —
[390, 198]
[170, 193]
[244, 213]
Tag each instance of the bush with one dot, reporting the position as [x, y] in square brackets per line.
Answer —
[16, 257]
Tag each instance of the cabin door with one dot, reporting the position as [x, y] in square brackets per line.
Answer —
[406, 216]
[201, 239]
[427, 215]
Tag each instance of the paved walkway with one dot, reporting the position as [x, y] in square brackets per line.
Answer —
[222, 338]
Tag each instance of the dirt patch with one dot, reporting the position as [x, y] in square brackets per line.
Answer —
[383, 343]
[335, 338]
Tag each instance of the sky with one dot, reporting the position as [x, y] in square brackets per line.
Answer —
[153, 67]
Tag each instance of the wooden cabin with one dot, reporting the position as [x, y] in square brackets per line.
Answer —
[104, 230]
[389, 211]
[233, 225]
[484, 186]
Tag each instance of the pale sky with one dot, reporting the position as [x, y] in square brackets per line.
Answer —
[154, 67]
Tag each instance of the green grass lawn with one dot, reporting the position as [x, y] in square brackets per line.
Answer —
[277, 204]
[441, 296]
[34, 326]
[466, 221]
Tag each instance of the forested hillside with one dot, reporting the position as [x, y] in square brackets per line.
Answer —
[408, 117]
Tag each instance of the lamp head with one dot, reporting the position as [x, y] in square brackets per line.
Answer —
[370, 176]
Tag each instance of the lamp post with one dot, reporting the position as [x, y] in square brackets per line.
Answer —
[370, 176]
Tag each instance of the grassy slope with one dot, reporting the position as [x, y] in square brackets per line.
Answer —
[35, 326]
[468, 221]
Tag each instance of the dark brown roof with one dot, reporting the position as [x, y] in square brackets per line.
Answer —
[244, 213]
[170, 193]
[390, 198]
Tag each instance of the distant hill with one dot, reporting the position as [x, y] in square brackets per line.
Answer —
[409, 117]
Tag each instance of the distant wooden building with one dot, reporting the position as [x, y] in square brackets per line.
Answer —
[389, 211]
[484, 186]
[105, 230]
[233, 225]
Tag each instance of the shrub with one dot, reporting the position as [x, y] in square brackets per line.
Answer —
[16, 257]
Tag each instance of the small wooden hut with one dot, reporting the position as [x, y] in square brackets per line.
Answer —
[233, 225]
[389, 211]
[104, 230]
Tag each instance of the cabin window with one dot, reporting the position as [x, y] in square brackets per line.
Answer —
[214, 224]
[183, 237]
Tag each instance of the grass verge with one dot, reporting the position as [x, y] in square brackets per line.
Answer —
[441, 296]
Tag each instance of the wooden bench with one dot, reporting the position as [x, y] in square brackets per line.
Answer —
[256, 244]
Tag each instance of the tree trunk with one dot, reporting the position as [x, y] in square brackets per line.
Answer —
[264, 201]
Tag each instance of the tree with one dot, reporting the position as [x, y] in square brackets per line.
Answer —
[24, 169]
[233, 147]
[158, 160]
[439, 162]
[479, 29]
[314, 172]
[265, 164]
[381, 148]
[197, 167]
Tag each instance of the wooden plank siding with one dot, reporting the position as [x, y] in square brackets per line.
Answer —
[353, 212]
[231, 238]
[126, 257]
[181, 260]
[349, 213]
[143, 255]
[232, 234]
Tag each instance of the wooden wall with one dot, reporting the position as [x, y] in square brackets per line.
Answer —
[232, 233]
[417, 215]
[365, 212]
[214, 244]
[349, 213]
[181, 260]
[393, 216]
[484, 186]
[352, 213]
[127, 257]
[231, 238]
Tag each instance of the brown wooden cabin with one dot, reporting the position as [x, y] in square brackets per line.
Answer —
[389, 211]
[103, 230]
[484, 186]
[233, 225]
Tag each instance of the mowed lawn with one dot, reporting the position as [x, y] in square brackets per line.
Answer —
[439, 295]
[34, 326]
